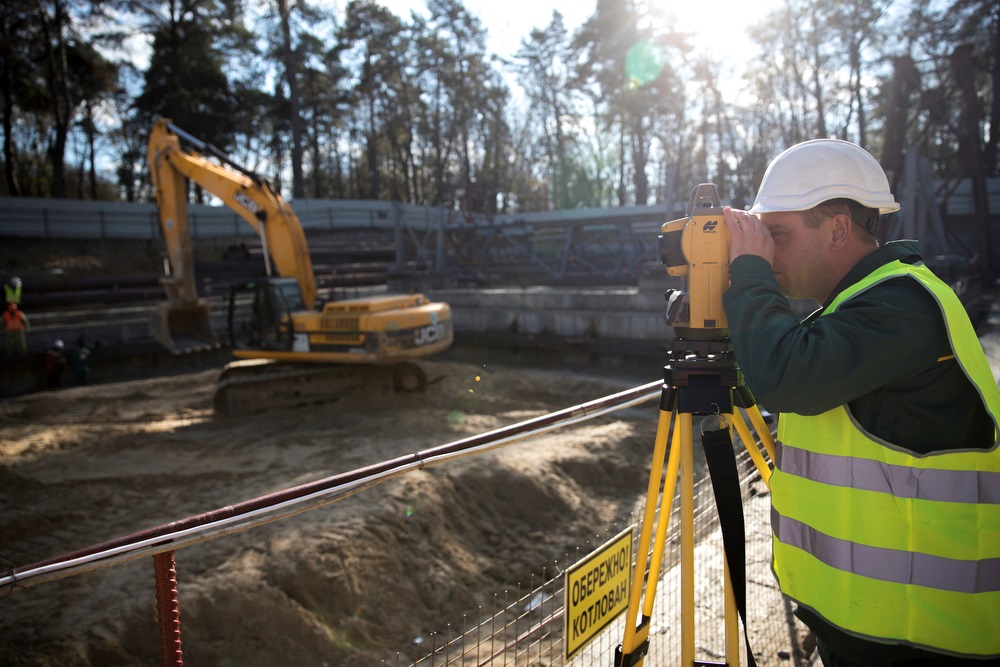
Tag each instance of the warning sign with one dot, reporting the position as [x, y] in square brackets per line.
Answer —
[597, 590]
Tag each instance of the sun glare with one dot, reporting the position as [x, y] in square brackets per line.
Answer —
[719, 30]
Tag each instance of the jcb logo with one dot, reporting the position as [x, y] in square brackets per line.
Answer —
[430, 334]
[244, 199]
[710, 226]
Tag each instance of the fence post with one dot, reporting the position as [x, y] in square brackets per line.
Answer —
[168, 609]
[398, 238]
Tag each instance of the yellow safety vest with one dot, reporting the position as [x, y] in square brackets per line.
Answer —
[12, 294]
[883, 543]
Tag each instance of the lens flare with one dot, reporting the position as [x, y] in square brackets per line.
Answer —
[644, 63]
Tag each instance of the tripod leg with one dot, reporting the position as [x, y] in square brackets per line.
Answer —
[663, 521]
[751, 446]
[687, 541]
[762, 429]
[635, 642]
[732, 619]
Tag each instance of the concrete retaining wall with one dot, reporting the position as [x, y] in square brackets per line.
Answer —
[601, 317]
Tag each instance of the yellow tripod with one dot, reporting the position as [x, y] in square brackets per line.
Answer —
[701, 378]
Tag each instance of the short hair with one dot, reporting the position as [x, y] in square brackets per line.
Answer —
[865, 217]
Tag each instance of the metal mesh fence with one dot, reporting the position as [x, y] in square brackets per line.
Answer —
[524, 627]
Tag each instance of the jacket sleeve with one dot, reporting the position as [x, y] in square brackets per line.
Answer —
[890, 331]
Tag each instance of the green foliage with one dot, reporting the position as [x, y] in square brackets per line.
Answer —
[185, 83]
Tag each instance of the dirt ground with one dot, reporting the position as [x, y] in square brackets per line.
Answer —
[352, 583]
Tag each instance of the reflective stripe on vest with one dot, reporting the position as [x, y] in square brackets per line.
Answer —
[910, 553]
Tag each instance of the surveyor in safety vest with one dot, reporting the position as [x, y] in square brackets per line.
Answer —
[885, 497]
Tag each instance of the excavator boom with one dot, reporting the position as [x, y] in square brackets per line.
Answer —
[247, 194]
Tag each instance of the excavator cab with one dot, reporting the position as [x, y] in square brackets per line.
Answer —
[260, 314]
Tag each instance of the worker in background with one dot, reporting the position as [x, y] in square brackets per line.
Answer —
[16, 328]
[55, 364]
[12, 291]
[885, 498]
[80, 361]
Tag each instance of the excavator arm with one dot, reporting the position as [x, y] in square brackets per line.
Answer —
[243, 191]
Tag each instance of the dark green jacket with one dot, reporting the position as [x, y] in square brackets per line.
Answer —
[880, 353]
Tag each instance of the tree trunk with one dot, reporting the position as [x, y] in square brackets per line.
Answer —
[993, 142]
[970, 148]
[818, 93]
[639, 178]
[295, 120]
[62, 104]
[857, 94]
[8, 132]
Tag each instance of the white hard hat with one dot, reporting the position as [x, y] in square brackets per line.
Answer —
[816, 171]
[59, 345]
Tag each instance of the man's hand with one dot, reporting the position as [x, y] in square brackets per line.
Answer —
[747, 235]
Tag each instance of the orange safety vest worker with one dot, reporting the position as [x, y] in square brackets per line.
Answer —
[14, 319]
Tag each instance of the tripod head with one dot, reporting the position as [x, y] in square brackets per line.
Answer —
[696, 247]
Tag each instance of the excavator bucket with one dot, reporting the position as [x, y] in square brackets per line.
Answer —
[184, 328]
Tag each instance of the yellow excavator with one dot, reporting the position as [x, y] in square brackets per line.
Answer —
[289, 350]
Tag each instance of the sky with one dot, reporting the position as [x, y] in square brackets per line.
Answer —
[719, 25]
[508, 21]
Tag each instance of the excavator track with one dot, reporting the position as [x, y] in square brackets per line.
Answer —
[257, 385]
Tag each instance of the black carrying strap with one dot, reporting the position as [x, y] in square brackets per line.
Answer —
[721, 460]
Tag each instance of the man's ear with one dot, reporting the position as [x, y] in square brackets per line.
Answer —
[840, 231]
